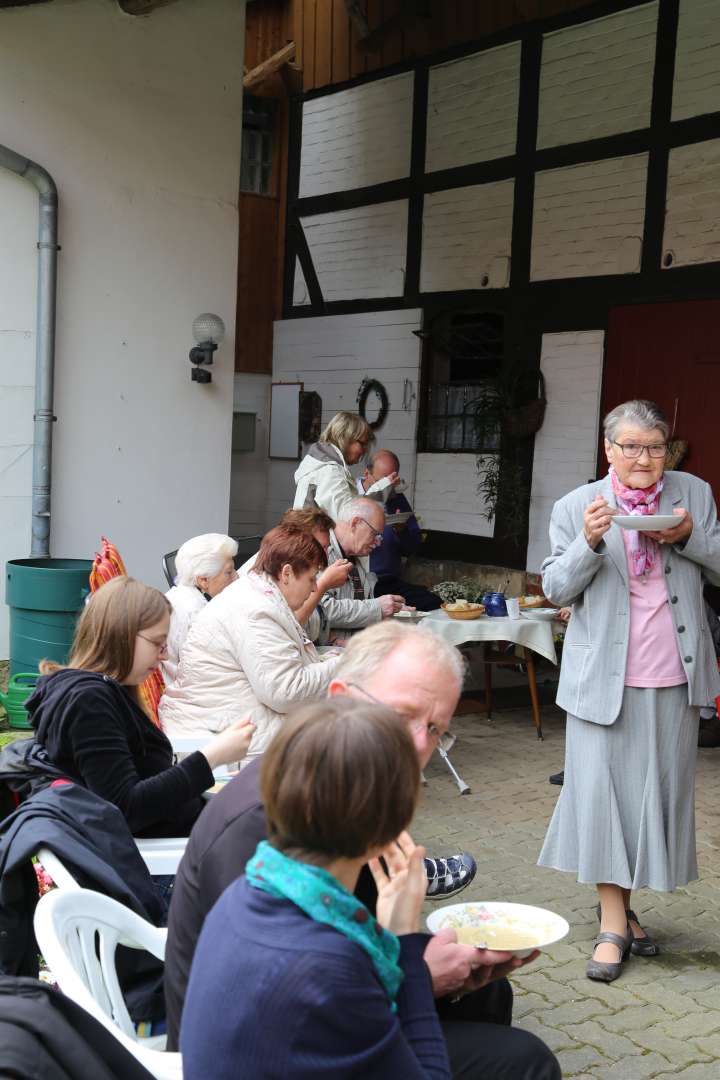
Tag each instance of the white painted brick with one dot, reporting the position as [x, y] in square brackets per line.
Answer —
[588, 219]
[472, 108]
[697, 59]
[359, 253]
[566, 445]
[332, 355]
[357, 137]
[446, 494]
[596, 78]
[301, 294]
[692, 216]
[466, 236]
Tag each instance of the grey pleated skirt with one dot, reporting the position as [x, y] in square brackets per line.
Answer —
[626, 813]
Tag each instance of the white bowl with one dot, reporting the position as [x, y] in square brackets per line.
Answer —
[544, 614]
[649, 523]
[410, 616]
[544, 926]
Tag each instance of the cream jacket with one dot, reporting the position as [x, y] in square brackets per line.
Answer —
[186, 602]
[245, 654]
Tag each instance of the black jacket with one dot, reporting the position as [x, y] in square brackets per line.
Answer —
[43, 1033]
[92, 731]
[91, 838]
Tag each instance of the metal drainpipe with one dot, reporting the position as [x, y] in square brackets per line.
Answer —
[43, 419]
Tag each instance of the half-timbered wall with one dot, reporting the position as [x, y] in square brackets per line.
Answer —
[547, 173]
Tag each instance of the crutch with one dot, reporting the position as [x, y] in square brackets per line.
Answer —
[464, 788]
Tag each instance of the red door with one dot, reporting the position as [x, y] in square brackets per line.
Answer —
[671, 354]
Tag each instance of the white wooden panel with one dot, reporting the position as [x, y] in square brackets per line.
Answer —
[692, 216]
[446, 495]
[472, 108]
[359, 254]
[467, 237]
[596, 78]
[589, 219]
[301, 294]
[357, 137]
[332, 355]
[697, 59]
[566, 445]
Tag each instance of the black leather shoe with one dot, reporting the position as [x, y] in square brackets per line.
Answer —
[558, 778]
[601, 970]
[642, 946]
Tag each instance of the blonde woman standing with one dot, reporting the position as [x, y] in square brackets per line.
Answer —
[323, 477]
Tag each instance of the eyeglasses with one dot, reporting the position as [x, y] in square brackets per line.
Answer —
[634, 450]
[161, 646]
[443, 740]
[376, 534]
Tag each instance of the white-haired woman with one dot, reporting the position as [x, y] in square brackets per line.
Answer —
[323, 477]
[638, 663]
[203, 567]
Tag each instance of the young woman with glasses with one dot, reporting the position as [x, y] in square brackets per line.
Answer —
[88, 718]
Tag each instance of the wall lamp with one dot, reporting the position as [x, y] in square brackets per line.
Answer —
[209, 332]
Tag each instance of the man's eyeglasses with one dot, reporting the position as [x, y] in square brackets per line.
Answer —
[161, 646]
[634, 450]
[378, 535]
[443, 740]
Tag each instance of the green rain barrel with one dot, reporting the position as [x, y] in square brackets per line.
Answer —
[45, 597]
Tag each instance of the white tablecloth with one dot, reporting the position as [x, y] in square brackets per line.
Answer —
[533, 633]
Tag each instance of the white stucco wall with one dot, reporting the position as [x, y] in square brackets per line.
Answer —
[332, 355]
[139, 122]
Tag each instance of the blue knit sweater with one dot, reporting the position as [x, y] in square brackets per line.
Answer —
[274, 994]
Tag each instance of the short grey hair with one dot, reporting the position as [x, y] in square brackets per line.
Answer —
[641, 413]
[203, 556]
[357, 507]
[372, 647]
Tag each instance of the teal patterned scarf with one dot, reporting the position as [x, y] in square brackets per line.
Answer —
[323, 898]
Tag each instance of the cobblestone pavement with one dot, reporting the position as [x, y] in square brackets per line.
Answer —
[662, 1017]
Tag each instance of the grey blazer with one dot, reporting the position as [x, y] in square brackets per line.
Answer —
[595, 583]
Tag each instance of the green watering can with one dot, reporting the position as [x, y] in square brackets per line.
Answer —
[19, 690]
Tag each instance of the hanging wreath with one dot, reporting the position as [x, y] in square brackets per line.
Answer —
[368, 387]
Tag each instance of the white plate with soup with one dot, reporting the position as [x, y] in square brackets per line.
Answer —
[493, 924]
[647, 522]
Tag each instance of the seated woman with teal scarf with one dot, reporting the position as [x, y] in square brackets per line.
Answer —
[293, 978]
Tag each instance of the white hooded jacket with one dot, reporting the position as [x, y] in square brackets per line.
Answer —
[245, 654]
[323, 479]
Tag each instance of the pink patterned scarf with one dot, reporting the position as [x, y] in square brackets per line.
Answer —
[645, 501]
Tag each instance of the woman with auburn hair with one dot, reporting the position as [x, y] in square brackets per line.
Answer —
[88, 718]
[246, 651]
[342, 992]
[323, 477]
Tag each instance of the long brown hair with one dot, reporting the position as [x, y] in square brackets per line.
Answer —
[111, 620]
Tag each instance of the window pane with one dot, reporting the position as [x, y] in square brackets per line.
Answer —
[455, 435]
[436, 435]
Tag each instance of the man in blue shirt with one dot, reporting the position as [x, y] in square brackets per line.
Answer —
[398, 540]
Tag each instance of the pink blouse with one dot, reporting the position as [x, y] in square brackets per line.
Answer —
[653, 657]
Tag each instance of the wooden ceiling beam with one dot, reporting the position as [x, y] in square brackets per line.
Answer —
[268, 67]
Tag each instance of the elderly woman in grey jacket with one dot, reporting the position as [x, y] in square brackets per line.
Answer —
[638, 663]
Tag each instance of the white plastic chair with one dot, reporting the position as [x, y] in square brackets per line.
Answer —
[161, 855]
[56, 869]
[78, 931]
